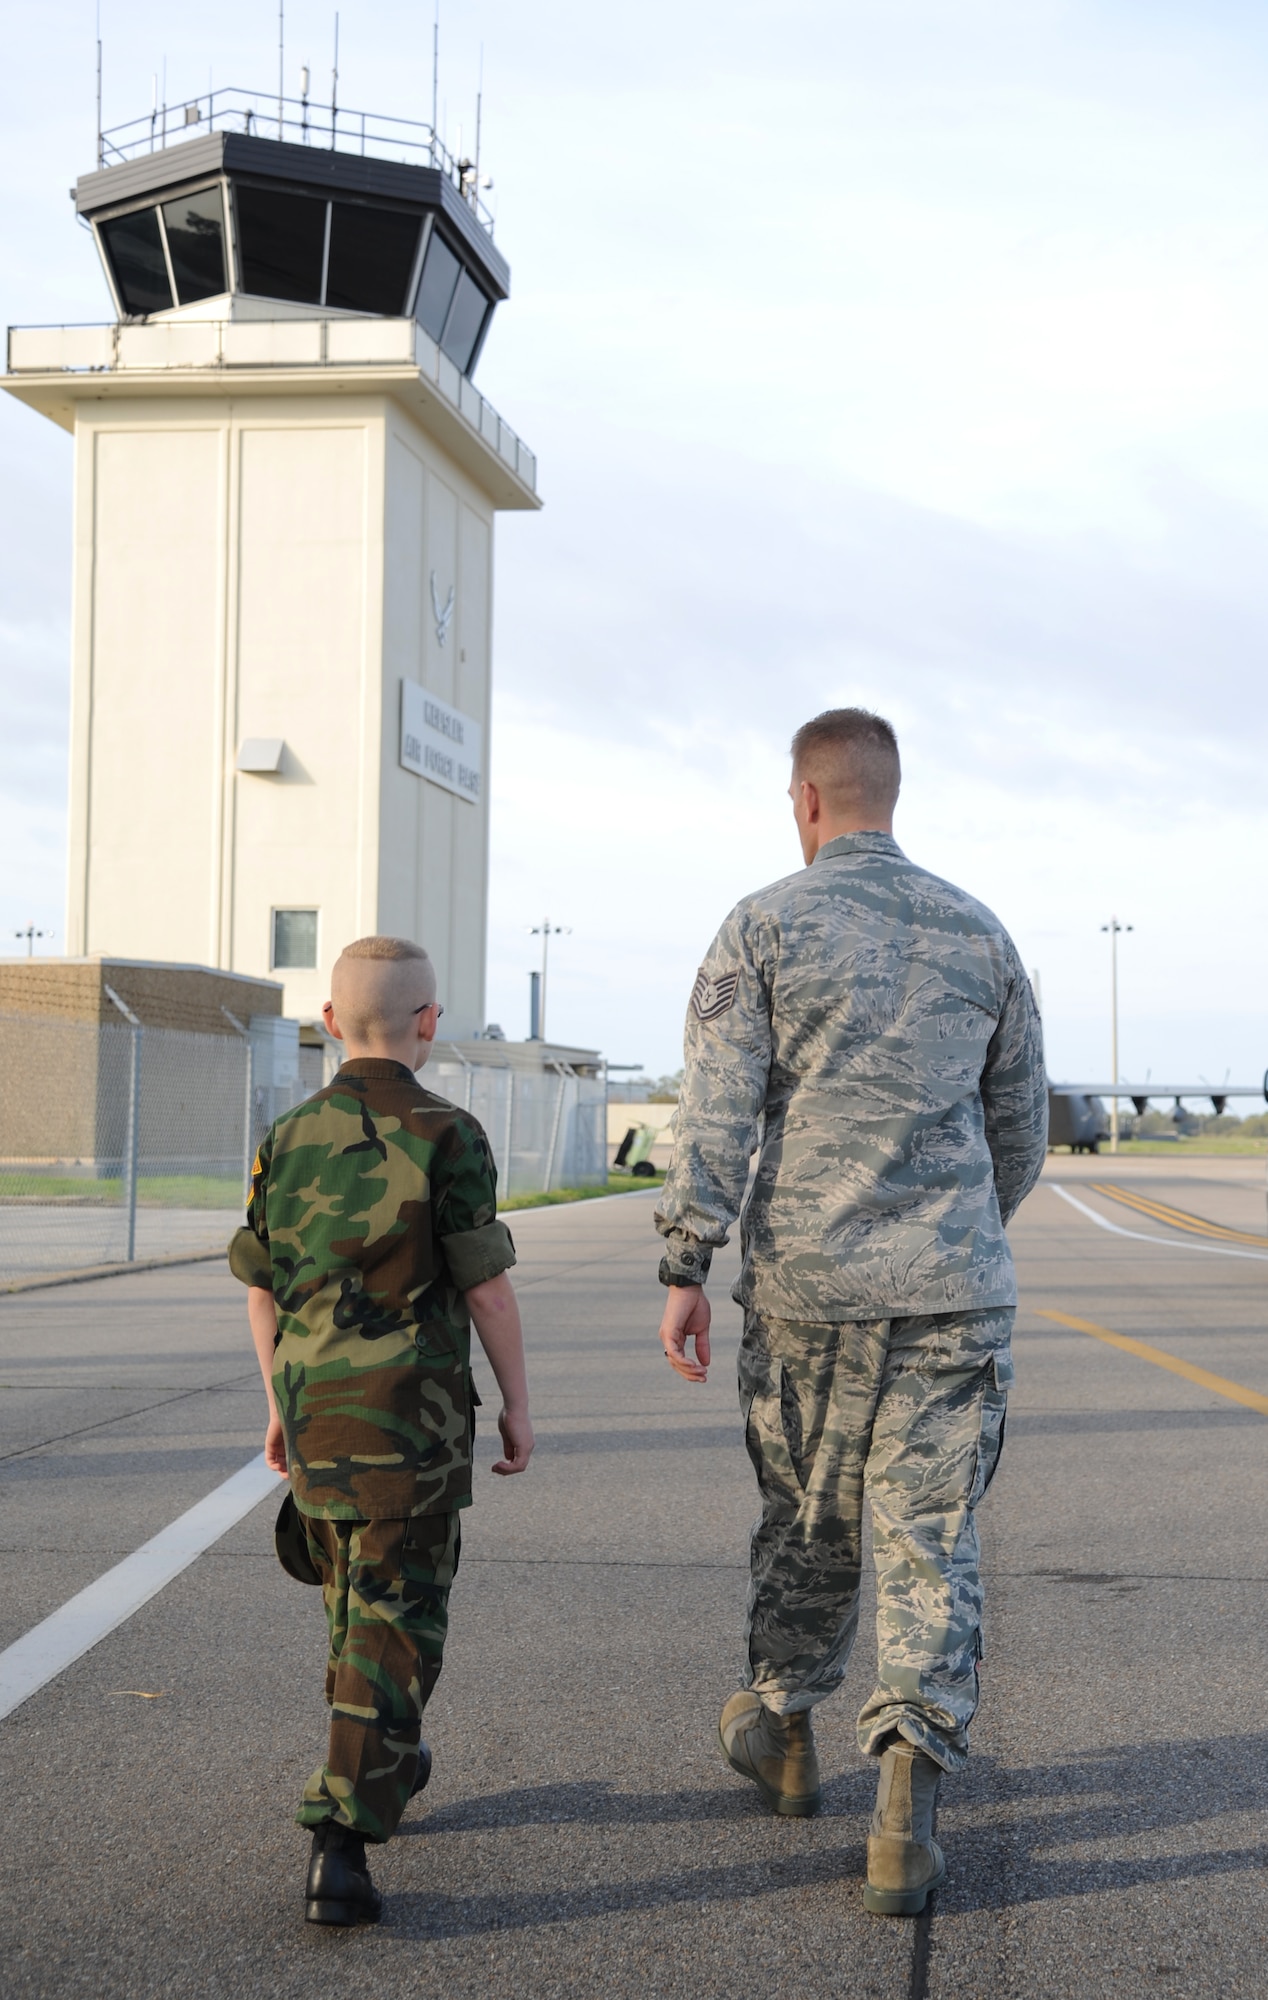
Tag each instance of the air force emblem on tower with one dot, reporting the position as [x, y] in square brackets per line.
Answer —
[711, 997]
[441, 612]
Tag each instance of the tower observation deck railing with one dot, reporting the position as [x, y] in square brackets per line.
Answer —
[298, 121]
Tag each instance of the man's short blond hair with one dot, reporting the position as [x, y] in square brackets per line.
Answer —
[378, 984]
[851, 755]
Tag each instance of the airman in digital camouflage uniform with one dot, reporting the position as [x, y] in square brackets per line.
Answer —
[371, 1245]
[868, 1030]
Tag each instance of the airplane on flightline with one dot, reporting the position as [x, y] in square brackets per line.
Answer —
[1077, 1116]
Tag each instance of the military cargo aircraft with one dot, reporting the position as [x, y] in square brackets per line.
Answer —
[1077, 1116]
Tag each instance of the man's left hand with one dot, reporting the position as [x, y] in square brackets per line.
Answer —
[687, 1317]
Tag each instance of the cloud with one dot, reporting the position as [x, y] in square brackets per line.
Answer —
[873, 351]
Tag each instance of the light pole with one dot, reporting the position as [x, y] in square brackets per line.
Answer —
[1114, 927]
[546, 931]
[30, 934]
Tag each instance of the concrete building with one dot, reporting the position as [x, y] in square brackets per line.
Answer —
[65, 1048]
[285, 489]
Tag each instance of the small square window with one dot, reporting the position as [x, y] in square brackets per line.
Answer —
[294, 940]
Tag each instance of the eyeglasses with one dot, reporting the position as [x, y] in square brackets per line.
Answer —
[430, 1003]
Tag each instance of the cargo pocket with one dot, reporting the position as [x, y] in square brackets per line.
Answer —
[791, 1425]
[997, 1381]
[761, 1408]
[473, 1404]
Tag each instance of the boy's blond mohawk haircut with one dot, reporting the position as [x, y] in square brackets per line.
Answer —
[383, 947]
[376, 986]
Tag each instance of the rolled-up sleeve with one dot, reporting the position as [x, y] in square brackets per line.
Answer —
[727, 1057]
[1015, 1096]
[476, 1245]
[476, 1255]
[250, 1259]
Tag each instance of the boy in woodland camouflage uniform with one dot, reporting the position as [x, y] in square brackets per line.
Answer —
[371, 1246]
[869, 1031]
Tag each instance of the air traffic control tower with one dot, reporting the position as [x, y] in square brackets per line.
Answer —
[285, 484]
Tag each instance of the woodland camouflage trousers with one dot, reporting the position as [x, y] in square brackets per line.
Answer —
[909, 1414]
[385, 1585]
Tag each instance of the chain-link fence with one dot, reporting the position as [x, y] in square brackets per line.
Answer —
[546, 1128]
[121, 1142]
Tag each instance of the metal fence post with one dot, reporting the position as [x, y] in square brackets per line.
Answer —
[452, 1049]
[248, 1109]
[133, 1147]
[510, 1122]
[564, 1072]
[132, 1133]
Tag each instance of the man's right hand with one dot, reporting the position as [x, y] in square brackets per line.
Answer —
[687, 1317]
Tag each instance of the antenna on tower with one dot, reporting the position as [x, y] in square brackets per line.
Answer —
[435, 69]
[101, 151]
[334, 87]
[479, 108]
[281, 64]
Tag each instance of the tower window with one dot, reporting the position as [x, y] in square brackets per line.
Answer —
[282, 239]
[195, 225]
[466, 318]
[436, 290]
[135, 249]
[371, 257]
[294, 940]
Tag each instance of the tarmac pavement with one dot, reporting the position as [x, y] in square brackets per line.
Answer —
[581, 1835]
[38, 1237]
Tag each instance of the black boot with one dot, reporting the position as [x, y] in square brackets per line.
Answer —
[423, 1772]
[339, 1888]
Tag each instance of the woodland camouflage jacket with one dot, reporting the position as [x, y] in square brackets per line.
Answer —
[870, 1028]
[373, 1210]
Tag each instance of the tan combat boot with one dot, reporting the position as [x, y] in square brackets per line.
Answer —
[904, 1861]
[776, 1751]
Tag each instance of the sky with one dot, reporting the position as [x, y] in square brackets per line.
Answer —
[880, 351]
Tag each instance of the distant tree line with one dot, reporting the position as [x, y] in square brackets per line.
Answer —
[1193, 1125]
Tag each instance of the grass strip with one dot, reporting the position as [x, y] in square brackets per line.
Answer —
[152, 1191]
[616, 1184]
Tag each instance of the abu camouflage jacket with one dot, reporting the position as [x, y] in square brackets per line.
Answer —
[870, 1028]
[373, 1210]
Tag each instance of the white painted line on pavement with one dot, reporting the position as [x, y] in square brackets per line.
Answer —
[60, 1639]
[1115, 1229]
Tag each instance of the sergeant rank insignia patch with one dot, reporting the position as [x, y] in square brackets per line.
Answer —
[711, 997]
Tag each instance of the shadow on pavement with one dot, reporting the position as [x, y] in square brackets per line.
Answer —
[427, 1914]
[598, 1803]
[1137, 1795]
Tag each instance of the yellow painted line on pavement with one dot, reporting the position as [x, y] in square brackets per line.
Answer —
[1177, 1218]
[1163, 1242]
[1218, 1384]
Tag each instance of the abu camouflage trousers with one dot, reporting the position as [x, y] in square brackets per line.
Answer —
[385, 1585]
[907, 1414]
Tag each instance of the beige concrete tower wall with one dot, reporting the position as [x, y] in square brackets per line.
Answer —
[307, 545]
[148, 645]
[262, 567]
[434, 845]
